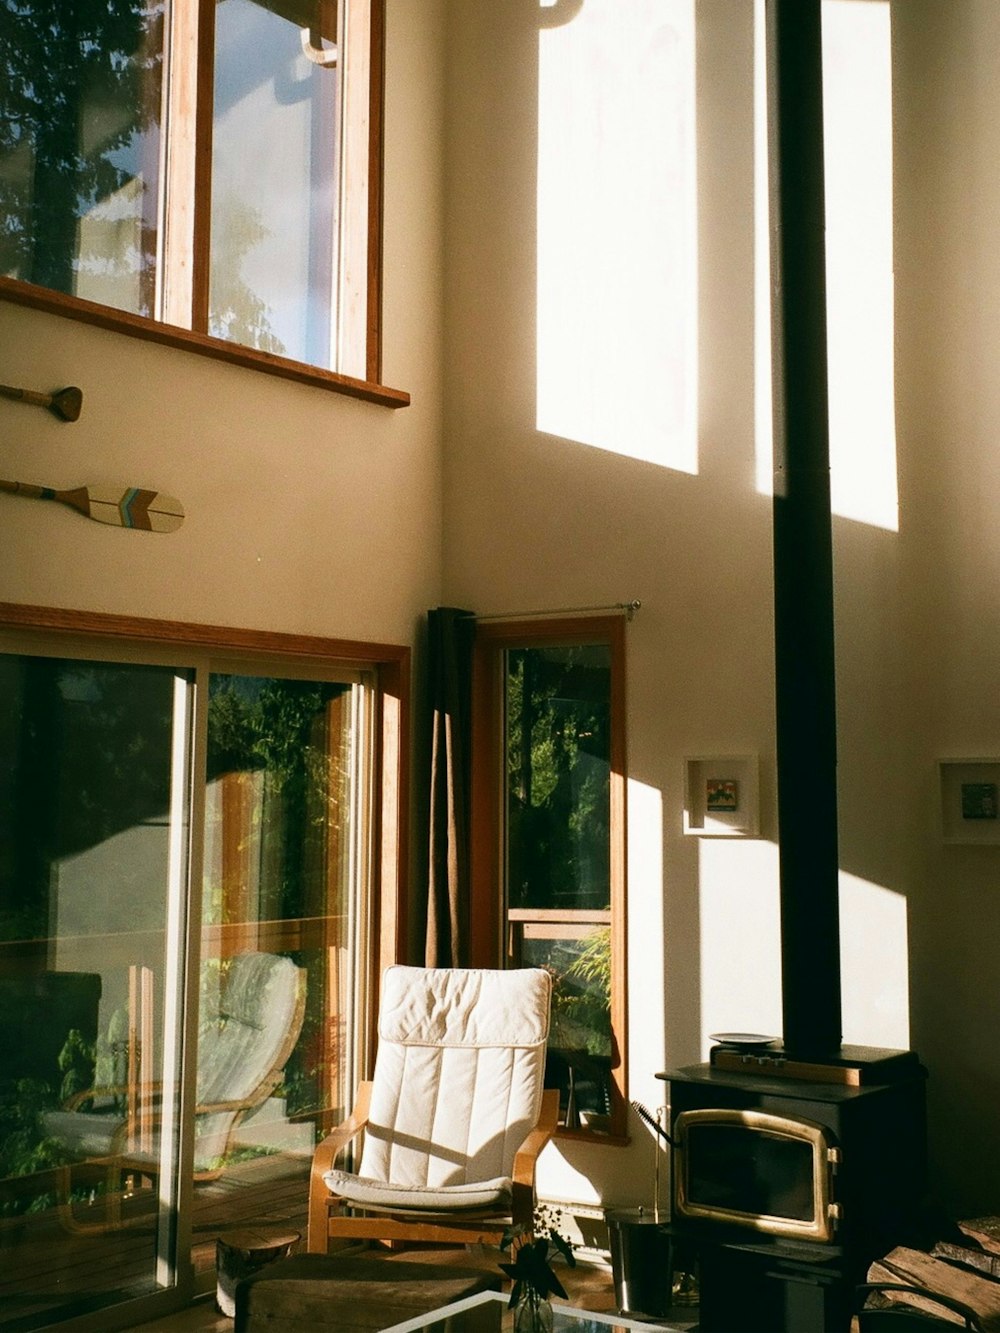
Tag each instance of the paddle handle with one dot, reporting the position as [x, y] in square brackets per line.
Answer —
[77, 499]
[26, 488]
[65, 403]
[26, 395]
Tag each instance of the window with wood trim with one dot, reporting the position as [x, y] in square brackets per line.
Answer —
[548, 847]
[212, 165]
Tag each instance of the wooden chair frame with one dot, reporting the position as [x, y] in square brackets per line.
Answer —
[461, 1227]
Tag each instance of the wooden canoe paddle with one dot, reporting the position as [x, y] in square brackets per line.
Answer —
[147, 511]
[65, 403]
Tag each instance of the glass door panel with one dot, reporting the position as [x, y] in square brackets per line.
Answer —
[285, 868]
[93, 849]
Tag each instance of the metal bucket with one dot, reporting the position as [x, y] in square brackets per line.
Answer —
[641, 1262]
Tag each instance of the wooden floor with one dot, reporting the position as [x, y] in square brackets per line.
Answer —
[50, 1271]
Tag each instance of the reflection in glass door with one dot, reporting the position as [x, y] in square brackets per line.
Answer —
[93, 851]
[173, 841]
[285, 861]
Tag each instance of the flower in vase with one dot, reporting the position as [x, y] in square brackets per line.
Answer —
[531, 1250]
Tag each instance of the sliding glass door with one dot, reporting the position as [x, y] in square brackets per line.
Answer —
[283, 926]
[94, 776]
[184, 887]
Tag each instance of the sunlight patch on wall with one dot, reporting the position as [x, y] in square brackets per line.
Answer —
[874, 954]
[740, 937]
[617, 248]
[645, 941]
[857, 108]
[740, 930]
[763, 403]
[857, 112]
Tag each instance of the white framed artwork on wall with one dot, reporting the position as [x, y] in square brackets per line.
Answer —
[970, 800]
[721, 796]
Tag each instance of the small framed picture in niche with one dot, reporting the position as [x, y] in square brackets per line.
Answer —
[979, 800]
[970, 800]
[722, 794]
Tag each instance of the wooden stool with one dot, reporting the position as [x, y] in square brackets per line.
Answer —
[352, 1295]
[238, 1254]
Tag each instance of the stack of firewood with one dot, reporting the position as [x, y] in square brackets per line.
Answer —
[965, 1270]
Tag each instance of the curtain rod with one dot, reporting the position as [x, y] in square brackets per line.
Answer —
[628, 609]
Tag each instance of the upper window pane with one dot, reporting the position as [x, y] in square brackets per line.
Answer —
[274, 170]
[558, 776]
[80, 147]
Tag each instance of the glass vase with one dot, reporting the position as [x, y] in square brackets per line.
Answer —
[532, 1313]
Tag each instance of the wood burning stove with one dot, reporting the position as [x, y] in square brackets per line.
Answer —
[790, 1178]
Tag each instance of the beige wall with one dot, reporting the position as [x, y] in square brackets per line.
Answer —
[538, 520]
[312, 513]
[306, 511]
[948, 331]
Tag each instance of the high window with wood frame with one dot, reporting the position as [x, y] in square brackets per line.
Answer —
[548, 850]
[212, 166]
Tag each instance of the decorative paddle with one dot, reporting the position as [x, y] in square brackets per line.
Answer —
[149, 511]
[65, 403]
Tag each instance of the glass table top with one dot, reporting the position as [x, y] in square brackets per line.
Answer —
[488, 1313]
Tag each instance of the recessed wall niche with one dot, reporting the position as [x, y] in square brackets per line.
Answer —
[721, 796]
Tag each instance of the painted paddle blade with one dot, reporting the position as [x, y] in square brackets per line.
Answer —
[149, 511]
[131, 507]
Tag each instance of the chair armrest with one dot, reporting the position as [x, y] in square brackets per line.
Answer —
[117, 1090]
[217, 1108]
[526, 1157]
[323, 1159]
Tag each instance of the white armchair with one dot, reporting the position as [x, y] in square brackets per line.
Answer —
[454, 1117]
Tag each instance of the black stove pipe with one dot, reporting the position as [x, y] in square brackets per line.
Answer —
[803, 554]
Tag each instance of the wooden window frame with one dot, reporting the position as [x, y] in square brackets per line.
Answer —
[182, 318]
[487, 927]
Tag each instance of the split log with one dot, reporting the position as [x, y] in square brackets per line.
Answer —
[984, 1230]
[969, 1256]
[936, 1276]
[891, 1293]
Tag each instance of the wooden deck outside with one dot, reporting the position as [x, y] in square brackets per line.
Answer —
[49, 1273]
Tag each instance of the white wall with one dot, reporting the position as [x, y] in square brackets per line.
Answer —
[316, 514]
[948, 334]
[538, 520]
[306, 512]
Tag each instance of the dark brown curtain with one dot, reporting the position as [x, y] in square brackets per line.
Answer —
[450, 634]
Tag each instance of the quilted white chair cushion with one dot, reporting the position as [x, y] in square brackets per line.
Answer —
[457, 1087]
[257, 1009]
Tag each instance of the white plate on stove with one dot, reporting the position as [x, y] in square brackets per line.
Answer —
[747, 1040]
